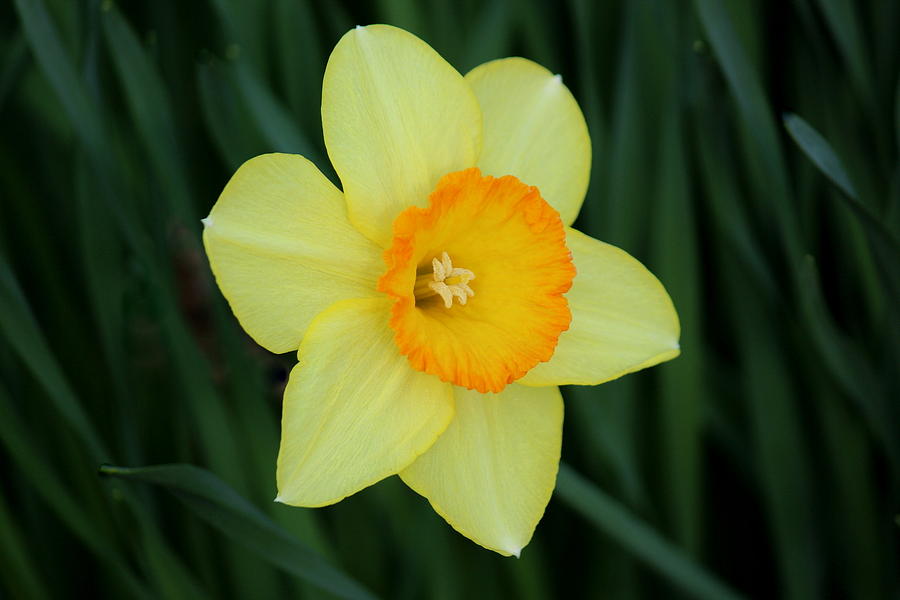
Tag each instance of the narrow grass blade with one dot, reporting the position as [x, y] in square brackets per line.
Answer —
[538, 39]
[18, 572]
[637, 537]
[605, 419]
[491, 36]
[406, 14]
[766, 157]
[780, 447]
[819, 151]
[849, 367]
[723, 200]
[682, 391]
[854, 500]
[150, 109]
[274, 122]
[19, 441]
[210, 499]
[225, 116]
[842, 19]
[22, 331]
[300, 60]
[57, 65]
[245, 28]
[15, 57]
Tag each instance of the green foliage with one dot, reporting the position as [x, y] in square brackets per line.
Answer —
[213, 501]
[764, 462]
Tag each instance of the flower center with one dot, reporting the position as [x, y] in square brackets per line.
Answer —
[506, 232]
[446, 281]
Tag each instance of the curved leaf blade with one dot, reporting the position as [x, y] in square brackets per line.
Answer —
[820, 152]
[223, 508]
[637, 537]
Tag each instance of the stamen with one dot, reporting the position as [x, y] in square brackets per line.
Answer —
[446, 281]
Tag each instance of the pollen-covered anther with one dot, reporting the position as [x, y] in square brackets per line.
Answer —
[446, 281]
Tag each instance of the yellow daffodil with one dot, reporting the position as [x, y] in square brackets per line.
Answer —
[440, 299]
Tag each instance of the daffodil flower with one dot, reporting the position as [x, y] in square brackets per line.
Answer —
[440, 300]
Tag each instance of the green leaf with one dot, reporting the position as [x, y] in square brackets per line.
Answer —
[493, 30]
[406, 14]
[55, 61]
[682, 394]
[44, 481]
[272, 118]
[213, 501]
[841, 16]
[819, 151]
[723, 195]
[300, 60]
[19, 327]
[15, 57]
[765, 155]
[19, 572]
[637, 537]
[848, 365]
[225, 116]
[779, 446]
[854, 501]
[150, 109]
[85, 116]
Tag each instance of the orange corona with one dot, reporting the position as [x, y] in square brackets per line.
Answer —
[479, 278]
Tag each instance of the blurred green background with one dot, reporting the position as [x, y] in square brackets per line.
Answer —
[747, 152]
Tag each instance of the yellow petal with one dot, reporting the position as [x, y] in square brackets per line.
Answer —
[491, 474]
[282, 249]
[396, 117]
[622, 319]
[533, 129]
[354, 412]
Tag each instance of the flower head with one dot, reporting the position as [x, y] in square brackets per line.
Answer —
[440, 299]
